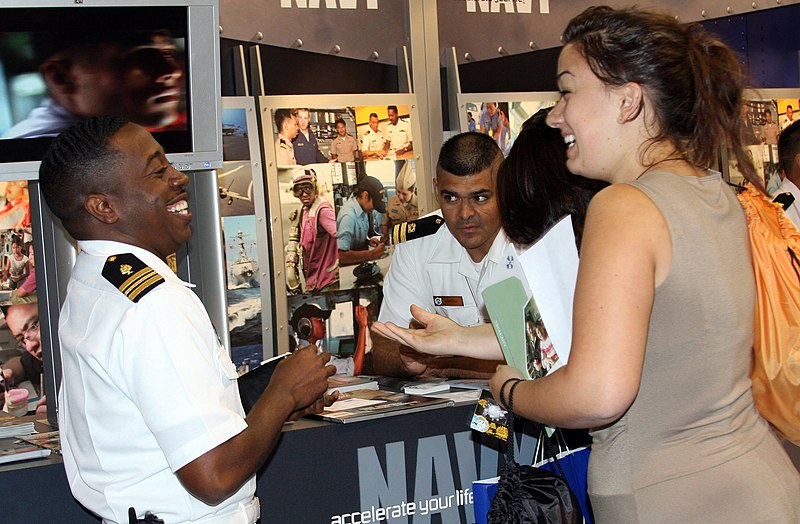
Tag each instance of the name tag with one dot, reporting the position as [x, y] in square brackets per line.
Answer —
[448, 301]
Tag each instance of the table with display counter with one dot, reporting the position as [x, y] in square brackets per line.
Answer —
[415, 467]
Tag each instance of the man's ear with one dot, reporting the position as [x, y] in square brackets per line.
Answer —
[631, 99]
[436, 190]
[99, 207]
[57, 75]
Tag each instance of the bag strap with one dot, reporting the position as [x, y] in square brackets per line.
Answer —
[795, 262]
[510, 421]
[548, 445]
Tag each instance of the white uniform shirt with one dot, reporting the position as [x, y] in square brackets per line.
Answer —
[146, 389]
[49, 119]
[372, 140]
[785, 122]
[793, 211]
[436, 273]
[399, 136]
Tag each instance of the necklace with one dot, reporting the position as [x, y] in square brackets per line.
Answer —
[668, 159]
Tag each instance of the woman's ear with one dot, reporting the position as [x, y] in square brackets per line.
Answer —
[631, 102]
[99, 207]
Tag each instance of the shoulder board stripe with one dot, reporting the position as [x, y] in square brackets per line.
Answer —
[134, 286]
[131, 276]
[421, 227]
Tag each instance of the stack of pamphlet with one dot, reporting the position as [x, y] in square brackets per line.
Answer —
[49, 440]
[21, 451]
[414, 386]
[344, 383]
[363, 404]
[11, 426]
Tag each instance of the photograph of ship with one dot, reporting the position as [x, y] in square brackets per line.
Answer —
[243, 269]
[243, 291]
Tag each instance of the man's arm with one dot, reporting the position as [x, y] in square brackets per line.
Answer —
[386, 359]
[333, 149]
[29, 286]
[13, 371]
[347, 255]
[170, 347]
[410, 146]
[351, 257]
[390, 358]
[298, 382]
[403, 150]
[373, 153]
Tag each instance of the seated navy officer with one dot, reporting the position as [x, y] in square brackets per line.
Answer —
[150, 414]
[446, 272]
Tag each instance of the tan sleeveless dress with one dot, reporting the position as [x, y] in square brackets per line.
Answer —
[692, 447]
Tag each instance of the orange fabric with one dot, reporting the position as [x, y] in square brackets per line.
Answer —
[776, 365]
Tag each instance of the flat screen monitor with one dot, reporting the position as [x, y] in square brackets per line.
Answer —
[154, 62]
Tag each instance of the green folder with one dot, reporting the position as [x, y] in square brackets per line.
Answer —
[505, 301]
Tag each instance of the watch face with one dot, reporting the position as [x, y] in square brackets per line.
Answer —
[479, 423]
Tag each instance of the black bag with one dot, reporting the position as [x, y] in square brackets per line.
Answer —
[526, 494]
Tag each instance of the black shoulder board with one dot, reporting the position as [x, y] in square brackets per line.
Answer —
[415, 229]
[784, 199]
[131, 276]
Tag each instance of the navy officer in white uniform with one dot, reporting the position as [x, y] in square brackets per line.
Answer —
[150, 413]
[446, 272]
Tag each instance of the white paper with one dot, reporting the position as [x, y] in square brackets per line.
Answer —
[341, 320]
[551, 270]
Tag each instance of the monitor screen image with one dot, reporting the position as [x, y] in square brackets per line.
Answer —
[154, 63]
[59, 66]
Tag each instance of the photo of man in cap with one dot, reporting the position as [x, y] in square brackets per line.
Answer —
[357, 222]
[316, 223]
[402, 206]
[308, 324]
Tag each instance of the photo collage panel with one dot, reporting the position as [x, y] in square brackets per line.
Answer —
[242, 263]
[346, 175]
[501, 120]
[764, 120]
[20, 342]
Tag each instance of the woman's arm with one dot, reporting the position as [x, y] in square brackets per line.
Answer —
[441, 336]
[626, 252]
